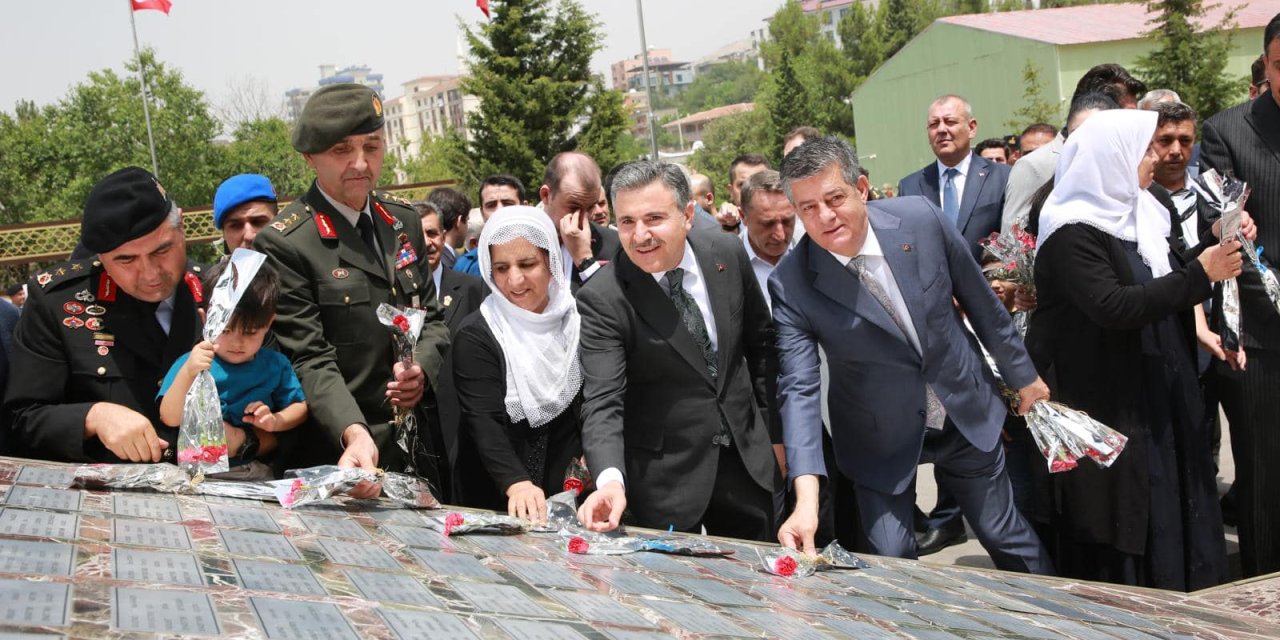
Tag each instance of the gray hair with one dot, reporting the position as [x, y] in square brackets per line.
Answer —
[964, 104]
[767, 181]
[642, 173]
[814, 156]
[1156, 96]
[175, 215]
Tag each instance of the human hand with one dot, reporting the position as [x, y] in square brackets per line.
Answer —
[124, 432]
[798, 531]
[1031, 394]
[1024, 299]
[1236, 359]
[728, 215]
[201, 358]
[261, 416]
[575, 233]
[1222, 261]
[360, 452]
[1247, 227]
[603, 509]
[526, 500]
[405, 390]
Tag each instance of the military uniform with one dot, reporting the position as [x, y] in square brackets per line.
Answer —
[330, 289]
[83, 340]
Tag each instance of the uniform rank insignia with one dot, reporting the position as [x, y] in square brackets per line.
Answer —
[406, 255]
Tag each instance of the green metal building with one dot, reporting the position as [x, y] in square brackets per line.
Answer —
[982, 56]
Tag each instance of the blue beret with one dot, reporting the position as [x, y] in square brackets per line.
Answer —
[238, 190]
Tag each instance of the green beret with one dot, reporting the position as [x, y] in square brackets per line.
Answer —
[335, 112]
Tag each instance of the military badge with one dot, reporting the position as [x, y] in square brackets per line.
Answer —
[84, 296]
[44, 278]
[406, 256]
[102, 351]
[95, 310]
[278, 226]
[446, 301]
[73, 308]
[72, 322]
[93, 324]
[341, 274]
[325, 226]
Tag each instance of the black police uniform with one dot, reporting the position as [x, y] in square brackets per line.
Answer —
[83, 340]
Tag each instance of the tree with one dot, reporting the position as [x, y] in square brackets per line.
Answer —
[901, 20]
[265, 147]
[861, 40]
[1188, 61]
[726, 139]
[1035, 107]
[248, 99]
[789, 103]
[720, 85]
[606, 136]
[531, 69]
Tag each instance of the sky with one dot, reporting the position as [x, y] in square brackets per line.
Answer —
[50, 45]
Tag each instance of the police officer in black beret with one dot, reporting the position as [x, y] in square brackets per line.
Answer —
[341, 250]
[99, 334]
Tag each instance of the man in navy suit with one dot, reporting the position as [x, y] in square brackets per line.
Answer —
[873, 286]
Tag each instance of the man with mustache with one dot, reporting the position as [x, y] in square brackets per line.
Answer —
[342, 249]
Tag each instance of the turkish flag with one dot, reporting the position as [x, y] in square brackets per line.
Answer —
[483, 4]
[155, 5]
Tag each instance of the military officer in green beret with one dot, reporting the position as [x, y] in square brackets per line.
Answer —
[99, 334]
[342, 249]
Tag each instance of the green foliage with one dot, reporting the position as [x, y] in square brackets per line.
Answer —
[719, 85]
[1035, 106]
[1189, 62]
[861, 40]
[530, 68]
[726, 139]
[436, 158]
[265, 147]
[606, 135]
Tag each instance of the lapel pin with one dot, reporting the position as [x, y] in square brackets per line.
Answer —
[906, 248]
[341, 273]
[447, 300]
[719, 267]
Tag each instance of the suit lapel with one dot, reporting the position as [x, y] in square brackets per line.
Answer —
[716, 279]
[929, 180]
[897, 245]
[655, 309]
[447, 286]
[136, 328]
[1264, 116]
[835, 282]
[349, 241]
[979, 169]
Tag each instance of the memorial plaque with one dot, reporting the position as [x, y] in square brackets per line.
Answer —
[39, 524]
[623, 634]
[46, 477]
[392, 515]
[42, 498]
[633, 583]
[145, 506]
[545, 574]
[534, 630]
[697, 618]
[926, 633]
[36, 558]
[411, 625]
[709, 590]
[416, 536]
[255, 544]
[793, 599]
[149, 534]
[34, 604]
[600, 609]
[858, 629]
[168, 567]
[499, 598]
[663, 563]
[179, 612]
[780, 626]
[874, 609]
[868, 586]
[945, 618]
[277, 576]
[1017, 626]
[290, 619]
[358, 554]
[334, 527]
[392, 587]
[730, 569]
[455, 565]
[503, 546]
[258, 519]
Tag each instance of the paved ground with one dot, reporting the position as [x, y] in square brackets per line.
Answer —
[972, 554]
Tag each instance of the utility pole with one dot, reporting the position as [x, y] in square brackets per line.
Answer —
[648, 86]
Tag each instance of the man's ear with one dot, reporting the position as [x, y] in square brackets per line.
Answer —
[544, 193]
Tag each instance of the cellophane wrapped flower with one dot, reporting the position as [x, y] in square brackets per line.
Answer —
[405, 325]
[409, 491]
[162, 477]
[457, 523]
[1016, 251]
[1066, 435]
[791, 563]
[577, 477]
[1227, 195]
[579, 545]
[616, 543]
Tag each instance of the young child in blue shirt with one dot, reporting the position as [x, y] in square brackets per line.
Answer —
[260, 392]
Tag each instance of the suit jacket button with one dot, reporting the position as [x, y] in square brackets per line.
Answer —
[102, 371]
[346, 299]
[159, 383]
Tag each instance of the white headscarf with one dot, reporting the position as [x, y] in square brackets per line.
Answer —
[540, 349]
[1096, 183]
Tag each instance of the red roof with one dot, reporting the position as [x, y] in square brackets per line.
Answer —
[809, 6]
[1100, 22]
[703, 117]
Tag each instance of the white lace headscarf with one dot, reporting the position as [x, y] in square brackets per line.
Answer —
[540, 349]
[1096, 183]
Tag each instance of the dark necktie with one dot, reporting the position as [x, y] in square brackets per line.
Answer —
[697, 326]
[935, 414]
[950, 200]
[364, 224]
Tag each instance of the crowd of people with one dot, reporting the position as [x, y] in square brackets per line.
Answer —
[775, 368]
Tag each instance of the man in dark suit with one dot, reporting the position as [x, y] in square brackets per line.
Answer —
[680, 372]
[458, 293]
[873, 286]
[1245, 141]
[454, 207]
[571, 194]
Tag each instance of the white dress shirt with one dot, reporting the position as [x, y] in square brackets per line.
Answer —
[1184, 200]
[567, 261]
[351, 215]
[963, 172]
[878, 268]
[435, 277]
[761, 267]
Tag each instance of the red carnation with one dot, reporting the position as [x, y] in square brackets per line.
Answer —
[452, 520]
[574, 485]
[785, 566]
[578, 545]
[401, 323]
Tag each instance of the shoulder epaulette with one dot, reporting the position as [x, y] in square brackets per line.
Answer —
[286, 221]
[60, 274]
[392, 199]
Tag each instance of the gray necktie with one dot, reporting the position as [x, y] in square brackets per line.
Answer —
[697, 325]
[935, 413]
[950, 200]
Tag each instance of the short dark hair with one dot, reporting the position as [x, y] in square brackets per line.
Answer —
[1173, 112]
[992, 143]
[258, 302]
[452, 205]
[1258, 71]
[1112, 79]
[642, 173]
[753, 159]
[425, 208]
[559, 167]
[1088, 102]
[814, 156]
[501, 180]
[767, 181]
[1271, 33]
[1040, 127]
[13, 289]
[806, 132]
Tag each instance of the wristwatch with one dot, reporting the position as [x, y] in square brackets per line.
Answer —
[585, 264]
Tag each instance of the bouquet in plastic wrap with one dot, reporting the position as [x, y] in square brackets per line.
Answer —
[791, 563]
[1016, 250]
[1227, 195]
[463, 522]
[404, 325]
[202, 439]
[583, 542]
[577, 477]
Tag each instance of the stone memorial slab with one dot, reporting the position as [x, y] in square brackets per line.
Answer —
[535, 630]
[858, 629]
[697, 618]
[46, 476]
[392, 587]
[793, 599]
[780, 626]
[625, 634]
[39, 524]
[34, 604]
[334, 527]
[43, 498]
[502, 546]
[290, 619]
[276, 576]
[167, 567]
[36, 558]
[244, 518]
[545, 574]
[633, 583]
[715, 592]
[149, 534]
[358, 554]
[460, 565]
[141, 505]
[499, 598]
[256, 544]
[174, 612]
[416, 536]
[599, 609]
[663, 563]
[411, 625]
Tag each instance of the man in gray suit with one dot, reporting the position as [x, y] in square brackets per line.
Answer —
[872, 285]
[1245, 141]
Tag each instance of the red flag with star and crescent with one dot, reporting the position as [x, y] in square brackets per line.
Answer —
[154, 5]
[484, 6]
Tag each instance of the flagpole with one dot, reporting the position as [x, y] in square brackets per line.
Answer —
[142, 77]
[648, 89]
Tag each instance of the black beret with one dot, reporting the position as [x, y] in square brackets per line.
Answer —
[335, 112]
[123, 206]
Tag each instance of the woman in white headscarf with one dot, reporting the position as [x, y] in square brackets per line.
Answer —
[1114, 336]
[516, 371]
